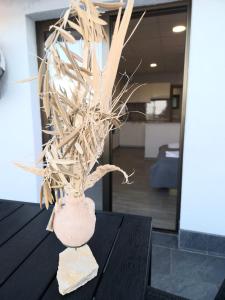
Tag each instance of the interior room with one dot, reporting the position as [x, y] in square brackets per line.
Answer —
[148, 144]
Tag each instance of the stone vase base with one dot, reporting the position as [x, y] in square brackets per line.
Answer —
[76, 267]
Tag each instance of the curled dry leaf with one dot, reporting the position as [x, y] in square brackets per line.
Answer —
[34, 170]
[102, 171]
[65, 34]
[41, 196]
[27, 79]
[47, 195]
[75, 27]
[112, 5]
[79, 149]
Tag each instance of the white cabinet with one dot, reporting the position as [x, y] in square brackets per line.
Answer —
[132, 134]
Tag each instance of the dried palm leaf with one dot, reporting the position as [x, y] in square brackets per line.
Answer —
[78, 98]
[36, 171]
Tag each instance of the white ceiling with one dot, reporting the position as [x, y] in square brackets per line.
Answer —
[154, 41]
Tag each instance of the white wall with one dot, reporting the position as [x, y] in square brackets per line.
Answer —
[20, 125]
[151, 136]
[132, 134]
[203, 187]
[160, 134]
[151, 90]
[20, 133]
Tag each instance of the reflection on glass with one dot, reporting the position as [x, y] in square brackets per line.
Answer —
[66, 82]
[157, 110]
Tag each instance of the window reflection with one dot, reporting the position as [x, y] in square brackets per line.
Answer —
[157, 110]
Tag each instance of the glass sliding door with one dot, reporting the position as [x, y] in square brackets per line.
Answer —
[149, 144]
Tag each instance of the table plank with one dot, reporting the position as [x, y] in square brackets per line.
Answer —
[33, 276]
[16, 221]
[127, 271]
[18, 248]
[7, 208]
[100, 244]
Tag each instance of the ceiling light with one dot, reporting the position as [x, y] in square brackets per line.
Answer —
[179, 28]
[153, 65]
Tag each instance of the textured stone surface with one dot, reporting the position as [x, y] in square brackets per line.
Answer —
[76, 267]
[202, 242]
[193, 275]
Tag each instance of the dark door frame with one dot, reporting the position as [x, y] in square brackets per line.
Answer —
[155, 10]
[42, 32]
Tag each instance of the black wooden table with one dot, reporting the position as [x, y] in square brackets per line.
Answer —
[29, 256]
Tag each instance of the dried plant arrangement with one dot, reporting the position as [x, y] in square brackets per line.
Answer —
[80, 114]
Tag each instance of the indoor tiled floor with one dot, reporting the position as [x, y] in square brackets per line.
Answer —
[139, 197]
[188, 274]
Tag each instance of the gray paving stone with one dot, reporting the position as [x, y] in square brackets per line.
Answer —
[164, 239]
[196, 276]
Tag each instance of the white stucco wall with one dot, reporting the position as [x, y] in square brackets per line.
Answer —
[20, 134]
[203, 192]
[20, 125]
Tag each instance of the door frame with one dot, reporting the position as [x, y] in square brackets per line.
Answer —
[42, 29]
[155, 10]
